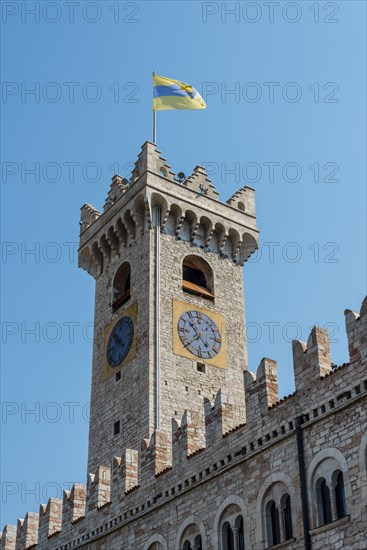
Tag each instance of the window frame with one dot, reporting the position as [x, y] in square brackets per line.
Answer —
[125, 295]
[197, 263]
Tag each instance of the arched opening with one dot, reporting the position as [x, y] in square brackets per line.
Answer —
[272, 523]
[121, 286]
[197, 277]
[190, 535]
[287, 517]
[340, 495]
[227, 537]
[241, 206]
[323, 502]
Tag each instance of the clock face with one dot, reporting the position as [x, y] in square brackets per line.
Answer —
[199, 334]
[120, 340]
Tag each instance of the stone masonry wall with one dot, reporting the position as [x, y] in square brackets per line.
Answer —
[162, 496]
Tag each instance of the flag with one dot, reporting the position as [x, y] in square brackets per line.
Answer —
[169, 94]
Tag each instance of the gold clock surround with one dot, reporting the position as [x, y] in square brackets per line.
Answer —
[179, 308]
[108, 371]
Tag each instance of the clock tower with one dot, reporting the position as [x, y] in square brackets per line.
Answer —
[169, 322]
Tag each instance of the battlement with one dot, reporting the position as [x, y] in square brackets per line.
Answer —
[189, 210]
[170, 464]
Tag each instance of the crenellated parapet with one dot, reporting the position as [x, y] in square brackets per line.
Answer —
[73, 504]
[119, 186]
[126, 471]
[202, 444]
[356, 327]
[50, 518]
[189, 210]
[8, 537]
[155, 456]
[244, 200]
[98, 488]
[27, 532]
[189, 437]
[88, 215]
[199, 182]
[261, 389]
[311, 360]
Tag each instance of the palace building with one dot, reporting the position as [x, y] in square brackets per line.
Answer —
[188, 448]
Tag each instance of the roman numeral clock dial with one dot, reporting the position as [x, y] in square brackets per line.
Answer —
[199, 334]
[119, 342]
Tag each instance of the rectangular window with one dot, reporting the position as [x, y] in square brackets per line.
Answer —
[116, 427]
[200, 367]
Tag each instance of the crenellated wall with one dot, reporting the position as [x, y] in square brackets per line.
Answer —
[226, 445]
[206, 469]
[194, 202]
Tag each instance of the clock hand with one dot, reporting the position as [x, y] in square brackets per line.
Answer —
[193, 340]
[193, 326]
[202, 335]
[205, 342]
[118, 340]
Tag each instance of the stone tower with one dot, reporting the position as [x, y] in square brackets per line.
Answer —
[169, 329]
[187, 451]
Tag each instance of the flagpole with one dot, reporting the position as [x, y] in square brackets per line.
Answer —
[154, 119]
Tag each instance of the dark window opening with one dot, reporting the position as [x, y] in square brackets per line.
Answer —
[200, 367]
[323, 502]
[118, 376]
[121, 286]
[227, 537]
[116, 427]
[288, 531]
[272, 523]
[194, 279]
[241, 534]
[198, 544]
[340, 496]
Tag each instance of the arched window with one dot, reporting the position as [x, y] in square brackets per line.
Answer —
[241, 206]
[197, 277]
[227, 537]
[340, 495]
[190, 538]
[287, 517]
[121, 286]
[323, 502]
[272, 523]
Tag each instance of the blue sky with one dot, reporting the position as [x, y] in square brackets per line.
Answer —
[293, 128]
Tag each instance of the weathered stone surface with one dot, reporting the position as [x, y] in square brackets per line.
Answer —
[225, 447]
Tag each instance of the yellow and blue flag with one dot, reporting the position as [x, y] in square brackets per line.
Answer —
[169, 94]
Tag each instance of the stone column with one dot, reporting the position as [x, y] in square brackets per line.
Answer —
[334, 512]
[281, 524]
[236, 538]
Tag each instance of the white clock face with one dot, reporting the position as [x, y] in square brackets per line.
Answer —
[199, 334]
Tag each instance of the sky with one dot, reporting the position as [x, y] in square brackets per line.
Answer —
[284, 84]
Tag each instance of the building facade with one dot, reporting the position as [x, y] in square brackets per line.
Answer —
[188, 449]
